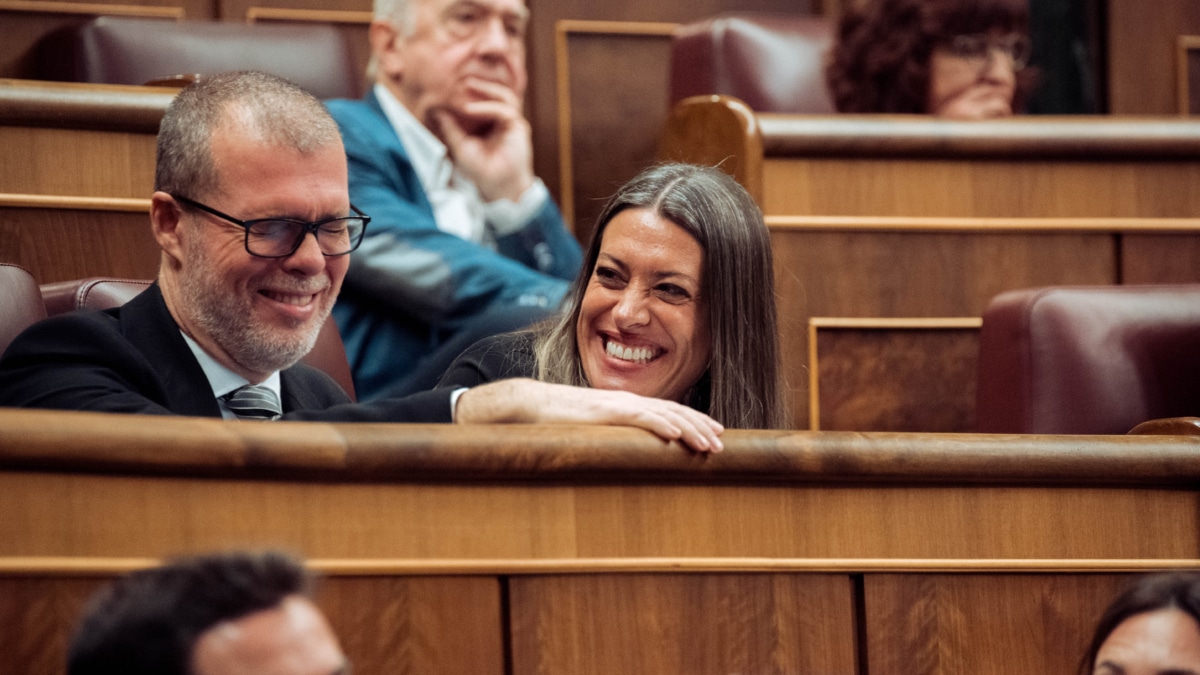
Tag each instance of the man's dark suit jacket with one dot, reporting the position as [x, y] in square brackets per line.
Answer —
[133, 359]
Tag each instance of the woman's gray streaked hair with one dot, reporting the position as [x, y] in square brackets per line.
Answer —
[743, 386]
[277, 110]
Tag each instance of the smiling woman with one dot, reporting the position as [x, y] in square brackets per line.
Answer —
[962, 59]
[675, 300]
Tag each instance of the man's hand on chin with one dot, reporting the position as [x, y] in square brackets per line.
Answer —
[489, 140]
[526, 401]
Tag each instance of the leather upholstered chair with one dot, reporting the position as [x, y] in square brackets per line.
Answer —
[128, 50]
[328, 354]
[20, 302]
[1088, 360]
[93, 293]
[772, 62]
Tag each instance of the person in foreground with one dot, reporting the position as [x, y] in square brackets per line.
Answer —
[1153, 628]
[219, 614]
[465, 241]
[676, 301]
[960, 59]
[240, 298]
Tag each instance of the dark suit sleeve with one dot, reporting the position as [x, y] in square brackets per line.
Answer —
[83, 361]
[312, 396]
[428, 407]
[80, 361]
[499, 357]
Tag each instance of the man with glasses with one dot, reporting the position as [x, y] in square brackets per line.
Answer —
[252, 213]
[465, 240]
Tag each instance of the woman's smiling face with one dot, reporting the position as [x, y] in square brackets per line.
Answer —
[643, 323]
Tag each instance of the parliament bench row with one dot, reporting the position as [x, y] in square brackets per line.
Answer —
[573, 549]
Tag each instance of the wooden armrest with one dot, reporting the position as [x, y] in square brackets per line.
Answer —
[1169, 426]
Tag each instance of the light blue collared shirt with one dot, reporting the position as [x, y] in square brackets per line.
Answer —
[223, 380]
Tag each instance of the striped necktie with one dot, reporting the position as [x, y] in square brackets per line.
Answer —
[253, 402]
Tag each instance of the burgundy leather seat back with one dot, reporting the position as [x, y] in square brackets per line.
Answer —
[773, 62]
[126, 50]
[95, 293]
[20, 302]
[328, 354]
[1088, 360]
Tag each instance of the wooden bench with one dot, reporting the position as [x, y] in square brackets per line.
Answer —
[597, 550]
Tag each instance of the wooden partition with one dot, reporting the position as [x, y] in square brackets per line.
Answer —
[79, 140]
[516, 549]
[76, 178]
[905, 217]
[60, 238]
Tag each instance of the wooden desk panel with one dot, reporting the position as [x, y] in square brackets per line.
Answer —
[983, 624]
[62, 515]
[1160, 258]
[38, 615]
[77, 162]
[985, 187]
[59, 239]
[569, 549]
[872, 272]
[386, 624]
[683, 623]
[79, 140]
[417, 624]
[76, 176]
[563, 492]
[899, 374]
[866, 272]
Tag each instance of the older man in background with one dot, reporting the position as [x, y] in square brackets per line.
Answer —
[465, 241]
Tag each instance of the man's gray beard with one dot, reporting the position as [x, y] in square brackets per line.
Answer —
[226, 321]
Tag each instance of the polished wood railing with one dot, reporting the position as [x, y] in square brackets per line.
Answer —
[530, 549]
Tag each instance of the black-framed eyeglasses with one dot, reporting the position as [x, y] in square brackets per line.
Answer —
[281, 237]
[978, 47]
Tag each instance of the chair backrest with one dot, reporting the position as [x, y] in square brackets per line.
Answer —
[773, 62]
[1088, 360]
[20, 302]
[129, 50]
[94, 293]
[328, 354]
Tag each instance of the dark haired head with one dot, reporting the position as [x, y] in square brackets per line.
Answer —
[147, 623]
[1174, 590]
[742, 388]
[880, 59]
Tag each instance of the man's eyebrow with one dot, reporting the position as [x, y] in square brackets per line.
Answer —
[521, 12]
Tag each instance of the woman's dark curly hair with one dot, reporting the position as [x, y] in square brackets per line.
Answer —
[880, 61]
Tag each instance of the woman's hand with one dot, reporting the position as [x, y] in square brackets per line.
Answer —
[525, 401]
